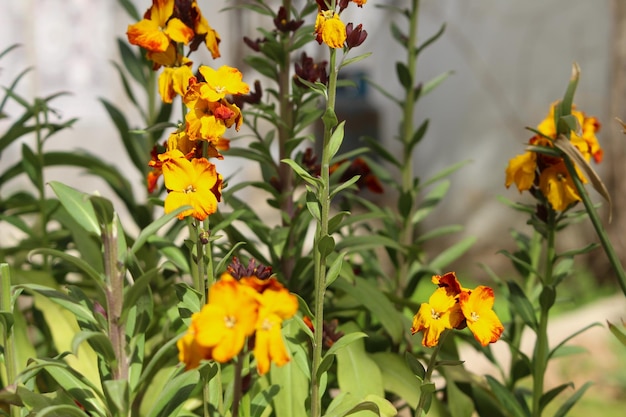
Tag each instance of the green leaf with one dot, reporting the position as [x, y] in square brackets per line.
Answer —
[432, 39]
[522, 305]
[358, 58]
[430, 201]
[398, 35]
[63, 300]
[334, 269]
[262, 400]
[506, 398]
[98, 341]
[552, 394]
[32, 166]
[326, 245]
[133, 62]
[302, 173]
[61, 410]
[568, 99]
[370, 296]
[547, 297]
[178, 389]
[415, 366]
[77, 262]
[154, 227]
[263, 65]
[417, 136]
[569, 403]
[404, 76]
[116, 393]
[354, 244]
[336, 139]
[104, 210]
[397, 377]
[617, 332]
[561, 345]
[357, 373]
[452, 253]
[435, 82]
[78, 206]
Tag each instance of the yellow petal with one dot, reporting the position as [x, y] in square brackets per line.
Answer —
[148, 35]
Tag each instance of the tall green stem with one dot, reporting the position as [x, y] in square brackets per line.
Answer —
[407, 127]
[432, 363]
[322, 233]
[597, 224]
[7, 332]
[285, 129]
[540, 356]
[115, 300]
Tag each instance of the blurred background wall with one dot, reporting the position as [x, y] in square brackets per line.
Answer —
[510, 61]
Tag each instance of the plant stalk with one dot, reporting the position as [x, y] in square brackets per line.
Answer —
[432, 363]
[322, 231]
[10, 358]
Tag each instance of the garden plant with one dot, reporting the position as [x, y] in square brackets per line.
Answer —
[296, 292]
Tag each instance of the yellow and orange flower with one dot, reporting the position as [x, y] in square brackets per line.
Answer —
[477, 308]
[237, 309]
[158, 28]
[193, 183]
[173, 81]
[329, 29]
[548, 173]
[221, 82]
[453, 307]
[276, 304]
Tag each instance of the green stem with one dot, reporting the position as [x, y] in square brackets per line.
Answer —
[237, 393]
[432, 364]
[407, 128]
[540, 355]
[10, 357]
[597, 224]
[40, 108]
[322, 232]
[285, 129]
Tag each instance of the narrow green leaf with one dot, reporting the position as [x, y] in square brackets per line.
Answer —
[431, 40]
[397, 377]
[98, 341]
[78, 206]
[61, 410]
[522, 305]
[417, 136]
[370, 296]
[133, 62]
[430, 201]
[452, 253]
[617, 332]
[404, 76]
[415, 366]
[302, 173]
[262, 400]
[435, 82]
[506, 398]
[355, 59]
[177, 390]
[570, 337]
[336, 139]
[326, 245]
[334, 269]
[569, 403]
[154, 227]
[77, 262]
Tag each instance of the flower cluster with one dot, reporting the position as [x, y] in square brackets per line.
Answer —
[209, 96]
[454, 307]
[329, 28]
[535, 171]
[249, 308]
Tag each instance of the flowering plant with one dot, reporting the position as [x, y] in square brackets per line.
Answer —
[291, 293]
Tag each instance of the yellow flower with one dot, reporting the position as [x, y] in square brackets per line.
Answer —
[202, 28]
[557, 185]
[276, 305]
[221, 82]
[330, 29]
[554, 180]
[227, 319]
[189, 351]
[440, 313]
[174, 80]
[157, 29]
[521, 171]
[190, 183]
[480, 318]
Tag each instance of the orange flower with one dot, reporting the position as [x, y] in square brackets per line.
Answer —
[158, 28]
[440, 313]
[480, 318]
[174, 80]
[190, 183]
[329, 29]
[276, 305]
[548, 173]
[221, 82]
